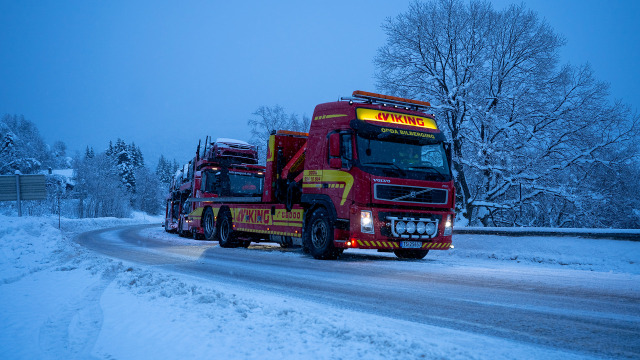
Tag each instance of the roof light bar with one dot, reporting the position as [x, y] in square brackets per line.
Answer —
[389, 99]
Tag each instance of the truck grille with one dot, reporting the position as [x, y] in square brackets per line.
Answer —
[410, 194]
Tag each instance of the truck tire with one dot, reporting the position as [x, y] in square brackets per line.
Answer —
[318, 236]
[284, 241]
[180, 232]
[196, 235]
[209, 224]
[410, 254]
[287, 242]
[225, 231]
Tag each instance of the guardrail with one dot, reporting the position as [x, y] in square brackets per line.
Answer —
[614, 234]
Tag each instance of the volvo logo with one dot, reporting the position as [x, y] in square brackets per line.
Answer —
[412, 194]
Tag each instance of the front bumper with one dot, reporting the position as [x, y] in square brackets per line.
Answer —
[385, 235]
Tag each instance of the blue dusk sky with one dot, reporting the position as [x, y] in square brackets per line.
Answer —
[164, 74]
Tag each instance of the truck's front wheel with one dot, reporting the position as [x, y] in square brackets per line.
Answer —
[318, 236]
[411, 254]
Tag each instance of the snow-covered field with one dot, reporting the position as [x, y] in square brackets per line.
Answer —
[59, 300]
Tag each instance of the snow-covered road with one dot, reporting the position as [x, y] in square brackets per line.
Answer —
[518, 293]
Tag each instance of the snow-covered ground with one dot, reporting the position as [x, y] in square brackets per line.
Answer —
[59, 300]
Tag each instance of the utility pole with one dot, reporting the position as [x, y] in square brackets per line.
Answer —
[18, 192]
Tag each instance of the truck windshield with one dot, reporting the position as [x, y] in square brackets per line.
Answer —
[245, 185]
[389, 158]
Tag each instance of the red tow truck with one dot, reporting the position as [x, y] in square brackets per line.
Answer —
[374, 172]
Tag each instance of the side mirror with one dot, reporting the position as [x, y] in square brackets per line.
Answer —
[334, 145]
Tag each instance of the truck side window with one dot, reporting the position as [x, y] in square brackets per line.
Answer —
[209, 182]
[346, 150]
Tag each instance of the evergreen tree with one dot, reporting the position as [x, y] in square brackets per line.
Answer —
[137, 160]
[165, 170]
[89, 154]
[123, 159]
[110, 150]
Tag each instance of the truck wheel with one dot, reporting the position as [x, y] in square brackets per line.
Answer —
[318, 236]
[209, 224]
[286, 242]
[225, 231]
[411, 254]
[196, 235]
[180, 231]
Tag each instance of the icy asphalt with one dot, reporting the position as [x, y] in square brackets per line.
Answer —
[551, 294]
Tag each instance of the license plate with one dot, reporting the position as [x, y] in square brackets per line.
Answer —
[411, 244]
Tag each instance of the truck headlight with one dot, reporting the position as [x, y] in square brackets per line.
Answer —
[366, 222]
[448, 226]
[431, 229]
[411, 227]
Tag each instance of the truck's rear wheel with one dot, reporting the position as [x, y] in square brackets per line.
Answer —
[410, 254]
[196, 235]
[209, 224]
[318, 236]
[225, 231]
[180, 232]
[284, 241]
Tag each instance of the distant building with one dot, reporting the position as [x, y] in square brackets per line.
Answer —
[59, 179]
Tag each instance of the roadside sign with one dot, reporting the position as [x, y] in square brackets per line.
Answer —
[22, 187]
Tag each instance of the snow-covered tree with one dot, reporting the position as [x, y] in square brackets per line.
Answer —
[526, 132]
[166, 170]
[148, 196]
[59, 152]
[89, 153]
[99, 188]
[127, 159]
[21, 146]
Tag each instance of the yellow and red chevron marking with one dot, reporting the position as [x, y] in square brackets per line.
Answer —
[396, 245]
[379, 244]
[442, 246]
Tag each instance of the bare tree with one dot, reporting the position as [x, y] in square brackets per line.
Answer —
[523, 128]
[268, 119]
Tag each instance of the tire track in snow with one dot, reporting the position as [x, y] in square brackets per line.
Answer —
[73, 329]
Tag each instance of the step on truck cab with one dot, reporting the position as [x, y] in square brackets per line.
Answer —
[374, 172]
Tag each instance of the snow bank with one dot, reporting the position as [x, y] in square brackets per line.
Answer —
[567, 252]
